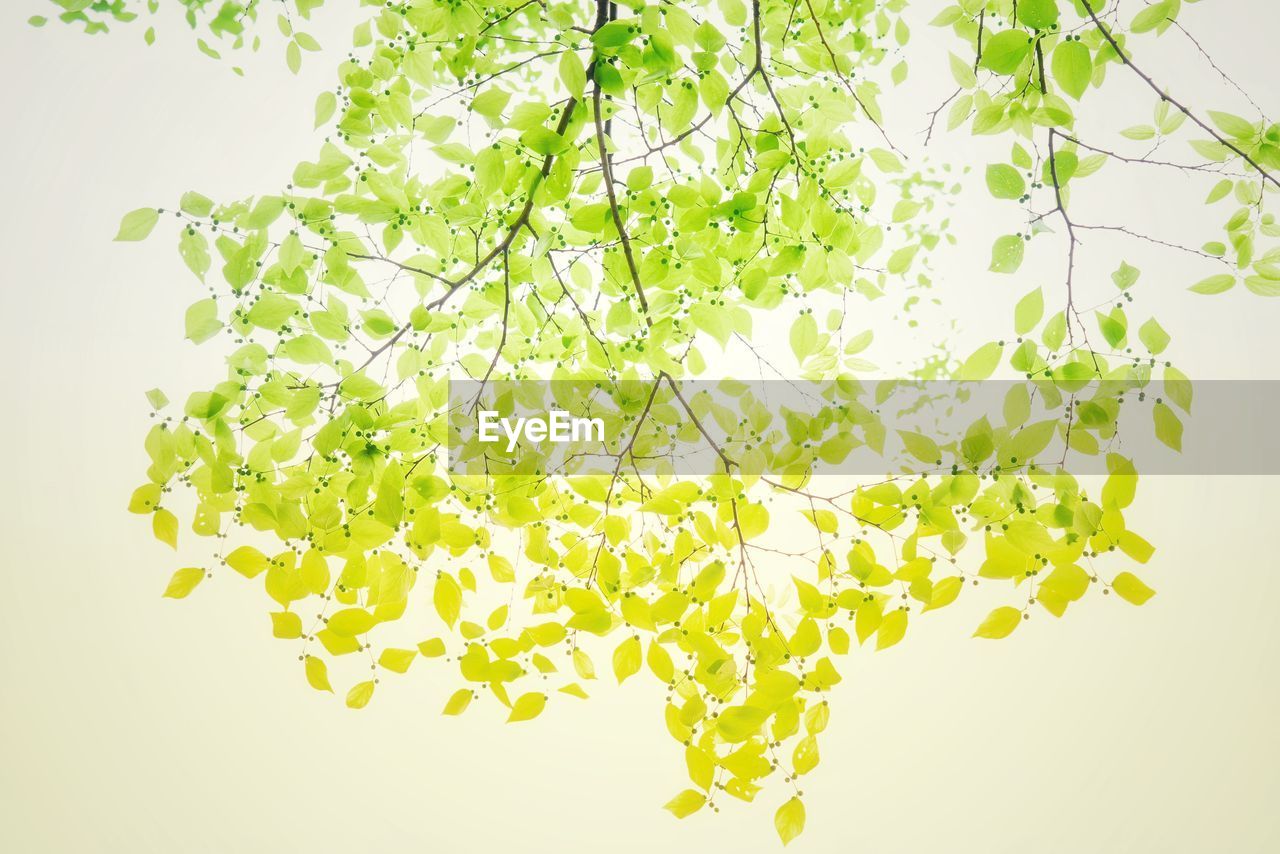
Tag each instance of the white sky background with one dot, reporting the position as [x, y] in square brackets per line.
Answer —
[137, 724]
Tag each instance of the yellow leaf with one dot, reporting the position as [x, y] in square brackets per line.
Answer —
[626, 659]
[247, 561]
[702, 768]
[1131, 589]
[805, 758]
[686, 803]
[945, 592]
[501, 570]
[183, 582]
[1000, 623]
[448, 598]
[528, 707]
[397, 660]
[433, 648]
[459, 701]
[815, 720]
[583, 664]
[660, 662]
[318, 674]
[165, 526]
[315, 572]
[575, 690]
[286, 625]
[145, 498]
[350, 622]
[789, 820]
[497, 618]
[360, 695]
[1135, 546]
[892, 628]
[738, 723]
[838, 640]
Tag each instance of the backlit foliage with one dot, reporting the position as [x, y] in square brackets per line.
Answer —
[619, 191]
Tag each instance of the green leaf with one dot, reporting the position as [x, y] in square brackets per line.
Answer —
[572, 73]
[138, 224]
[1168, 426]
[1153, 336]
[1263, 286]
[1113, 328]
[326, 104]
[1233, 125]
[1005, 52]
[1139, 132]
[614, 34]
[1150, 18]
[1038, 14]
[1005, 182]
[1028, 312]
[196, 204]
[982, 363]
[920, 446]
[1214, 284]
[202, 320]
[1072, 67]
[1006, 254]
[1125, 276]
[491, 102]
[804, 336]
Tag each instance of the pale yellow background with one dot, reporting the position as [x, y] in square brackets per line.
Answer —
[129, 723]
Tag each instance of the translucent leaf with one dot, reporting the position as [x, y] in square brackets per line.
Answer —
[1130, 588]
[317, 674]
[165, 527]
[528, 707]
[1005, 52]
[458, 703]
[138, 224]
[183, 582]
[1006, 254]
[686, 803]
[1028, 312]
[1000, 623]
[789, 820]
[627, 659]
[1072, 67]
[286, 625]
[1214, 284]
[360, 695]
[893, 626]
[1005, 182]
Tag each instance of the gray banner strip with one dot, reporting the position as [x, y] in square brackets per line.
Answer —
[850, 426]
